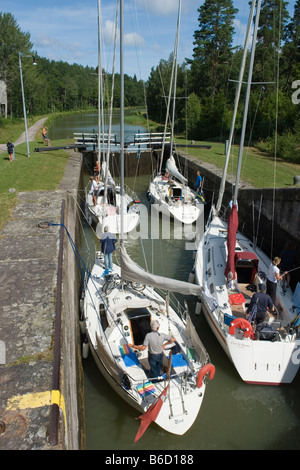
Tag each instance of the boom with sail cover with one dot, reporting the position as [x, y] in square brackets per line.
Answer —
[173, 170]
[134, 273]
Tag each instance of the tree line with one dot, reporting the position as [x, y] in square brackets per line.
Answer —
[206, 82]
[53, 86]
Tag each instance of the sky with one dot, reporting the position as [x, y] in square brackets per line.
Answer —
[68, 30]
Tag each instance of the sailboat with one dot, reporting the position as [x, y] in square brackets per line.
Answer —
[103, 206]
[169, 190]
[117, 310]
[107, 210]
[259, 358]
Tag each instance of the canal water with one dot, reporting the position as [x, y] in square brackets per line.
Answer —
[233, 416]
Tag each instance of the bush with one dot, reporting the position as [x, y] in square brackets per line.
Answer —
[286, 147]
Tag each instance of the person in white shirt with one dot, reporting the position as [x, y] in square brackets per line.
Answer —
[273, 278]
[94, 189]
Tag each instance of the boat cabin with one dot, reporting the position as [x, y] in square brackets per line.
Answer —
[175, 193]
[139, 323]
[111, 195]
[246, 266]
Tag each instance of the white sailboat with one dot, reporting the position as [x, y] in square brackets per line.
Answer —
[258, 358]
[103, 207]
[117, 310]
[107, 210]
[169, 190]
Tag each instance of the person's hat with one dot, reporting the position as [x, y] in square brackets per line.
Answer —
[262, 287]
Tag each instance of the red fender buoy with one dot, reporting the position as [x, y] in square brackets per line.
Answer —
[243, 324]
[208, 369]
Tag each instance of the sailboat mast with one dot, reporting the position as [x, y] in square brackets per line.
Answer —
[122, 117]
[175, 78]
[100, 86]
[247, 102]
[174, 67]
[237, 98]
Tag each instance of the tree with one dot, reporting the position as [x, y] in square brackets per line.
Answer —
[273, 17]
[291, 49]
[193, 116]
[213, 47]
[12, 41]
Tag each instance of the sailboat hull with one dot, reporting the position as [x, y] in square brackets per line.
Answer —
[178, 421]
[110, 213]
[112, 315]
[269, 362]
[175, 200]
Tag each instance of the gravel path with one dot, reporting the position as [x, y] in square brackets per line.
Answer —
[31, 134]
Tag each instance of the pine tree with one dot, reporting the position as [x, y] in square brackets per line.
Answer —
[213, 47]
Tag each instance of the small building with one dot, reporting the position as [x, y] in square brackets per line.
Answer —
[3, 99]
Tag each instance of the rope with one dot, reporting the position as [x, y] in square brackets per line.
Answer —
[294, 269]
[79, 258]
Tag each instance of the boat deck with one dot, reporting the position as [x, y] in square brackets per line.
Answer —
[239, 310]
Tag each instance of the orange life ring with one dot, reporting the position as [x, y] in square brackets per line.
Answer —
[208, 369]
[243, 324]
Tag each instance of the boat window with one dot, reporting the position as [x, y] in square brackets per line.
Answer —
[103, 318]
[208, 255]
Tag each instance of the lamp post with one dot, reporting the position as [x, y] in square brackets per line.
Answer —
[23, 97]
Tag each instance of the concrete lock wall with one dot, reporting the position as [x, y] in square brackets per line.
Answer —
[72, 373]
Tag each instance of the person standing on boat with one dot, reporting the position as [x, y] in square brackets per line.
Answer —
[199, 181]
[155, 342]
[94, 189]
[262, 302]
[273, 278]
[108, 241]
[97, 171]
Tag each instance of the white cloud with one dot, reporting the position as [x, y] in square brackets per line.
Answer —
[133, 39]
[45, 41]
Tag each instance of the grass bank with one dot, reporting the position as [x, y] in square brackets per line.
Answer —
[257, 168]
[39, 172]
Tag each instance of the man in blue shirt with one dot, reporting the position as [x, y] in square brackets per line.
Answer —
[108, 241]
[198, 184]
[262, 301]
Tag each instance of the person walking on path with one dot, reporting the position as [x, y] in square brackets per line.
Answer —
[10, 150]
[31, 134]
[108, 241]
